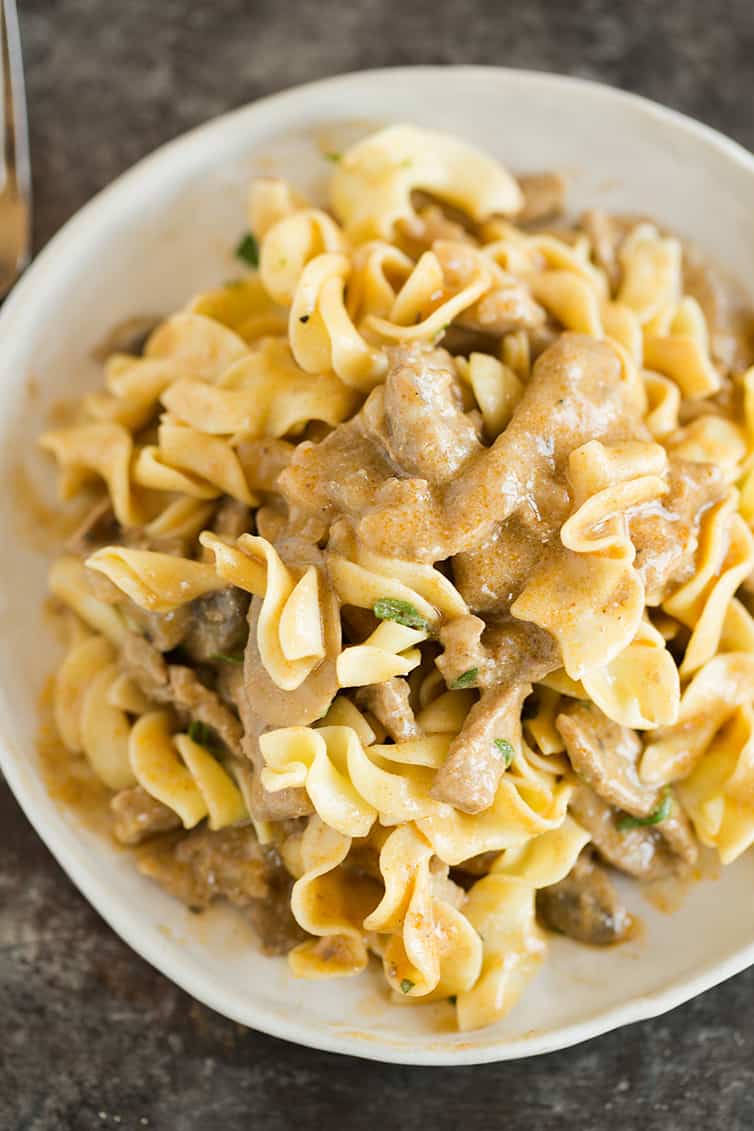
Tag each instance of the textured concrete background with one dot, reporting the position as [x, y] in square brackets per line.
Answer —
[91, 1036]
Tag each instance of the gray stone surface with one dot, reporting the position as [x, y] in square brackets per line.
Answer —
[91, 1036]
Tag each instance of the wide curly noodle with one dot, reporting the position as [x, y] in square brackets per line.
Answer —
[487, 493]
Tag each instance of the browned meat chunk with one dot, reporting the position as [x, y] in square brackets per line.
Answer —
[521, 652]
[413, 425]
[604, 754]
[469, 777]
[180, 687]
[218, 624]
[205, 866]
[139, 816]
[650, 852]
[463, 650]
[576, 394]
[507, 307]
[584, 906]
[491, 576]
[429, 224]
[666, 537]
[427, 433]
[544, 197]
[389, 703]
[510, 651]
[342, 474]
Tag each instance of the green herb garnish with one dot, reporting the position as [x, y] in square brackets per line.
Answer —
[506, 750]
[334, 157]
[228, 657]
[248, 250]
[402, 612]
[466, 679]
[661, 813]
[407, 986]
[202, 735]
[452, 999]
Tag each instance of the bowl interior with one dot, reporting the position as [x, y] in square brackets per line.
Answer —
[166, 230]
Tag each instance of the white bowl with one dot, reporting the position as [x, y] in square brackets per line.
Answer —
[163, 231]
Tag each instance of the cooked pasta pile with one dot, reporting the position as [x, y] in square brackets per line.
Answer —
[415, 591]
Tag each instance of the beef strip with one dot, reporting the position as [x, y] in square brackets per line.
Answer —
[649, 852]
[389, 703]
[605, 754]
[342, 473]
[666, 536]
[413, 425]
[205, 866]
[584, 905]
[463, 650]
[139, 816]
[491, 576]
[429, 224]
[504, 652]
[218, 624]
[506, 307]
[471, 773]
[576, 394]
[521, 652]
[181, 688]
[426, 431]
[544, 197]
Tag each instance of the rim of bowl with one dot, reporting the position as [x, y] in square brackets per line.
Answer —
[47, 268]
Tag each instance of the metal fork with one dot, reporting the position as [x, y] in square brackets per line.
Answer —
[15, 170]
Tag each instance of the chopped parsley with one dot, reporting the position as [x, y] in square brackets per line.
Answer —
[661, 813]
[506, 750]
[407, 986]
[334, 157]
[248, 250]
[202, 735]
[228, 657]
[465, 679]
[452, 999]
[402, 612]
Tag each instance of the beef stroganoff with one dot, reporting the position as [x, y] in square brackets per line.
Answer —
[413, 598]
